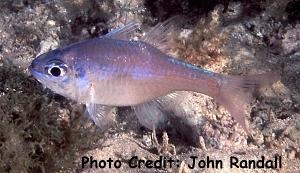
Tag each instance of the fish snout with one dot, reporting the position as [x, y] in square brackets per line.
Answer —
[32, 66]
[36, 66]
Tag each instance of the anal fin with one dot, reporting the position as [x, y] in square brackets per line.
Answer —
[153, 114]
[150, 114]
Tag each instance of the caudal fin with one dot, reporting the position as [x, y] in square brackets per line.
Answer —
[236, 93]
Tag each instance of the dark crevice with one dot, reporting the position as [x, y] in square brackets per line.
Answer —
[293, 10]
[163, 9]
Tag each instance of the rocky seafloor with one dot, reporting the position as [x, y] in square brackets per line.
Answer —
[41, 131]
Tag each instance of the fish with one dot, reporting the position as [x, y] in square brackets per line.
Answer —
[115, 70]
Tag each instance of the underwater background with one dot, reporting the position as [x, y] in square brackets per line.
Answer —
[41, 131]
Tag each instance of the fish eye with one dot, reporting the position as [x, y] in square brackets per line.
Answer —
[56, 70]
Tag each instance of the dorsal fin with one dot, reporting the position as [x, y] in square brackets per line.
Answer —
[123, 33]
[161, 36]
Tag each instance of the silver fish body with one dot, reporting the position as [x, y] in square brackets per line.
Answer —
[123, 73]
[113, 72]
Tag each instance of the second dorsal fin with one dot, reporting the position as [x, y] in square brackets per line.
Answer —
[162, 36]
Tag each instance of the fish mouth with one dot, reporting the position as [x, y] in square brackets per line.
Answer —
[36, 70]
[37, 74]
[30, 69]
